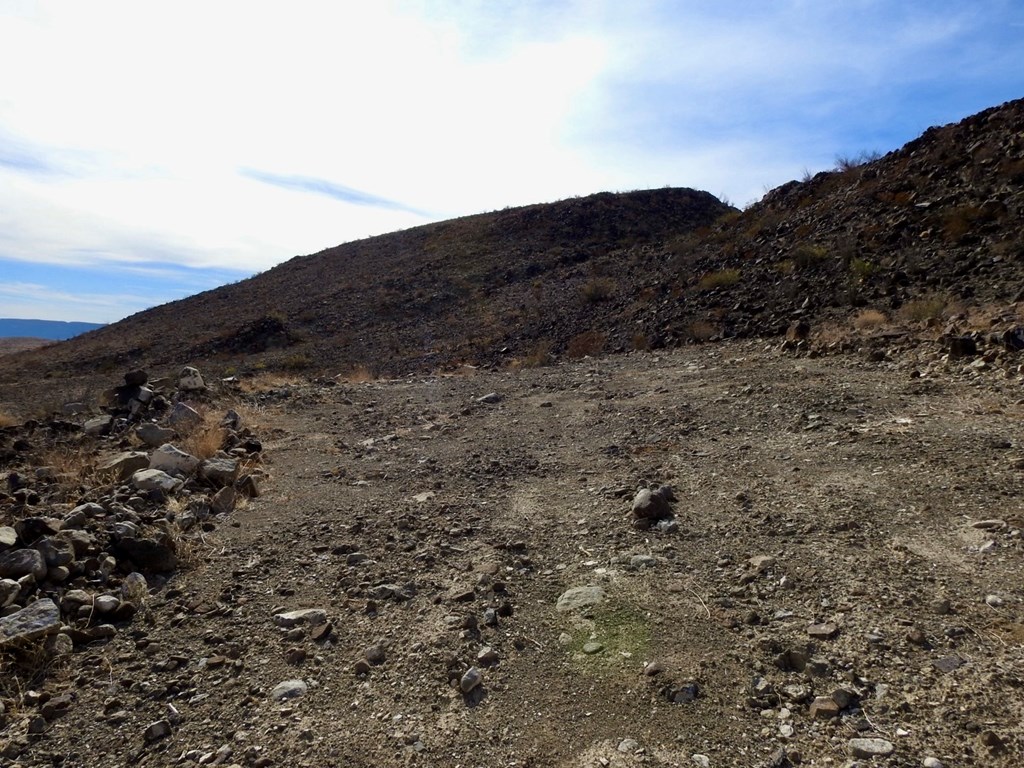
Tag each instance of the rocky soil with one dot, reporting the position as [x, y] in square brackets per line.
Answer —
[731, 555]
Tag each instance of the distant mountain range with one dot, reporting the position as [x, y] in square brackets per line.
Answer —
[54, 330]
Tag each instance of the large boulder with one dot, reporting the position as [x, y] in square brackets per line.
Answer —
[16, 563]
[156, 480]
[36, 620]
[173, 461]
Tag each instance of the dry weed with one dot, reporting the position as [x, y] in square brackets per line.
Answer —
[720, 279]
[359, 374]
[869, 319]
[586, 344]
[925, 308]
[205, 441]
[7, 420]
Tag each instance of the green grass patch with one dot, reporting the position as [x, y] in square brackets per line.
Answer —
[623, 631]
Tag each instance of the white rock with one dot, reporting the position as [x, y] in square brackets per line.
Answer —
[190, 379]
[173, 461]
[155, 480]
[868, 748]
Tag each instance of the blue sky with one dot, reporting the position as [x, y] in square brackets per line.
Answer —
[150, 151]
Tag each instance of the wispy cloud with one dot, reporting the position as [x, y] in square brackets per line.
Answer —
[445, 109]
[330, 189]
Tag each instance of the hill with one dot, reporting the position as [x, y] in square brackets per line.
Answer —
[923, 233]
[53, 330]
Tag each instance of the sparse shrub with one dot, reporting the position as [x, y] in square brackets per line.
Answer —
[723, 278]
[598, 289]
[204, 442]
[358, 374]
[699, 331]
[808, 256]
[589, 343]
[868, 319]
[861, 269]
[958, 222]
[925, 308]
[640, 342]
[297, 362]
[6, 420]
[539, 356]
[845, 163]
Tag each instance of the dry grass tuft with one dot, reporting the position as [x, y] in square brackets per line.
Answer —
[723, 278]
[699, 331]
[586, 344]
[204, 441]
[7, 420]
[869, 319]
[539, 356]
[597, 290]
[925, 308]
[359, 374]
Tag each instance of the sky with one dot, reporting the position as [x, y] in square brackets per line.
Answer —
[150, 151]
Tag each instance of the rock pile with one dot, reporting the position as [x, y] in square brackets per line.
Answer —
[83, 543]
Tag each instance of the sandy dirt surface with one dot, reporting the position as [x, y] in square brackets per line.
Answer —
[841, 576]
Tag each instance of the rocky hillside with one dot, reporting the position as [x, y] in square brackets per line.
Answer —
[921, 235]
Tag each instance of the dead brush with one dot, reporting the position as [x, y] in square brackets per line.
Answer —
[25, 666]
[869, 320]
[7, 420]
[205, 441]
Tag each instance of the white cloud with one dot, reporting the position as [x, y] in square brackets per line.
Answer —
[130, 126]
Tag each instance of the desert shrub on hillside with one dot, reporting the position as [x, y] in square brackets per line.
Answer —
[861, 269]
[598, 289]
[808, 256]
[846, 163]
[588, 343]
[699, 331]
[868, 319]
[6, 420]
[539, 356]
[723, 278]
[925, 308]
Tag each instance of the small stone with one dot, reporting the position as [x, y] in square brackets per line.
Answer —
[161, 729]
[153, 435]
[98, 425]
[592, 648]
[823, 631]
[941, 606]
[125, 464]
[487, 656]
[173, 461]
[579, 597]
[289, 689]
[105, 604]
[295, 656]
[8, 537]
[375, 654]
[932, 762]
[311, 616]
[361, 667]
[628, 746]
[824, 708]
[642, 561]
[155, 480]
[916, 637]
[868, 748]
[993, 601]
[490, 398]
[470, 680]
[653, 668]
[989, 525]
